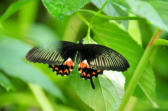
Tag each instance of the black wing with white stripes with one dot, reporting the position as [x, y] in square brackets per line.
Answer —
[50, 56]
[101, 57]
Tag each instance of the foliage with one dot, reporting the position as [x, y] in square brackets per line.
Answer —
[135, 28]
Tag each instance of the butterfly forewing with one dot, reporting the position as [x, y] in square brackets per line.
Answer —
[55, 56]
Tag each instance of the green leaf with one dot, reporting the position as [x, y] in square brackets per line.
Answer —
[106, 96]
[27, 15]
[160, 61]
[156, 11]
[60, 8]
[110, 9]
[5, 82]
[120, 4]
[13, 8]
[112, 36]
[12, 98]
[93, 98]
[147, 84]
[134, 31]
[12, 62]
[109, 87]
[112, 86]
[113, 8]
[41, 97]
[145, 32]
[40, 34]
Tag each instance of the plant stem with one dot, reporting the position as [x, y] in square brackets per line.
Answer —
[88, 34]
[139, 70]
[161, 42]
[14, 7]
[109, 17]
[27, 16]
[101, 9]
[41, 97]
[84, 20]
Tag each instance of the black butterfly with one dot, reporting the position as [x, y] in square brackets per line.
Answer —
[92, 59]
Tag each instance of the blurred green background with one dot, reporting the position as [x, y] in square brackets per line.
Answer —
[27, 24]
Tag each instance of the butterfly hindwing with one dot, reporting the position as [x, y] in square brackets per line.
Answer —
[63, 69]
[86, 71]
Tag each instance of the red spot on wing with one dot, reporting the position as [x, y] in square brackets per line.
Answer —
[83, 74]
[83, 64]
[93, 73]
[56, 68]
[66, 71]
[80, 70]
[98, 70]
[60, 71]
[69, 63]
[88, 75]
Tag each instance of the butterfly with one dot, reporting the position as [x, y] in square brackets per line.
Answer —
[92, 59]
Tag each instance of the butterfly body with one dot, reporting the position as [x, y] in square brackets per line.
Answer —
[92, 59]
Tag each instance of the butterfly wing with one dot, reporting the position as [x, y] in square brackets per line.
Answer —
[93, 59]
[60, 60]
[103, 58]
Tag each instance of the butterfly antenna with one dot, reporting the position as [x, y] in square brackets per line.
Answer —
[91, 81]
